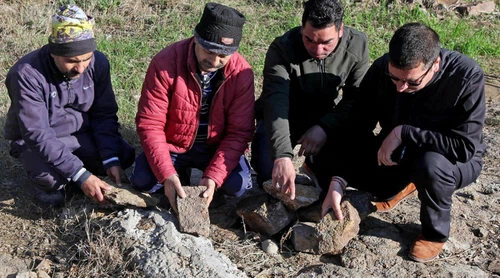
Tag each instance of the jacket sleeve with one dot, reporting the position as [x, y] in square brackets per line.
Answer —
[332, 121]
[460, 142]
[240, 127]
[275, 102]
[151, 119]
[102, 114]
[33, 118]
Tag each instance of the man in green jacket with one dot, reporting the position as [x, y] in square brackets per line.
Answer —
[304, 71]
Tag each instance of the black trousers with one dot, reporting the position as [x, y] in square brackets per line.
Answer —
[435, 177]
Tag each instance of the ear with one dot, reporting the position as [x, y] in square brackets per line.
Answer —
[341, 30]
[436, 64]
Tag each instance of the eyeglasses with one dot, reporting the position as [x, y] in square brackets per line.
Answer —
[411, 83]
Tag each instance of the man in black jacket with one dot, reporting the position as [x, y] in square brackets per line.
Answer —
[304, 71]
[430, 104]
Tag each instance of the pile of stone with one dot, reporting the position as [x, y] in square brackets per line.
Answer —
[272, 212]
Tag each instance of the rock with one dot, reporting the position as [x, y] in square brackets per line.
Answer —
[26, 274]
[304, 195]
[494, 266]
[193, 212]
[486, 7]
[263, 215]
[44, 265]
[42, 274]
[10, 265]
[310, 213]
[269, 246]
[164, 252]
[361, 201]
[480, 232]
[126, 196]
[335, 234]
[305, 237]
[329, 236]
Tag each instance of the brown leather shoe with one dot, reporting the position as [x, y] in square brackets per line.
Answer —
[385, 206]
[424, 251]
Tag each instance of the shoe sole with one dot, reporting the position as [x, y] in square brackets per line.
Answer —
[420, 260]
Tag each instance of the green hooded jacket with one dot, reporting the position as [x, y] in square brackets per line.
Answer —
[300, 91]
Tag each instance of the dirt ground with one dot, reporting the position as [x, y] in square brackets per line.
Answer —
[30, 234]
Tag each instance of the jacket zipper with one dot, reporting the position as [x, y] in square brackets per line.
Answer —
[322, 70]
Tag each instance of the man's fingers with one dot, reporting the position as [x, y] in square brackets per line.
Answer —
[338, 211]
[292, 190]
[301, 150]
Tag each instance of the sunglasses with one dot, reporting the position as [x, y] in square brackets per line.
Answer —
[412, 83]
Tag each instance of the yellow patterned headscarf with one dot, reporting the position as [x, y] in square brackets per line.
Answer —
[72, 28]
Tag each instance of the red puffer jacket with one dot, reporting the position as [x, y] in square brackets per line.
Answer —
[168, 113]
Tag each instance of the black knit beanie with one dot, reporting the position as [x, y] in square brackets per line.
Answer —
[220, 29]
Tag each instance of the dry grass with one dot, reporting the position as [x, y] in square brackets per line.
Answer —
[94, 249]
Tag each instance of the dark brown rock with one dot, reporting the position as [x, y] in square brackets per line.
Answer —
[193, 212]
[304, 195]
[310, 213]
[305, 237]
[264, 214]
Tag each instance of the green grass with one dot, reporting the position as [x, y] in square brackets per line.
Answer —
[130, 32]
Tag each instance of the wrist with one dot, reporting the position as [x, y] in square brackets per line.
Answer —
[340, 181]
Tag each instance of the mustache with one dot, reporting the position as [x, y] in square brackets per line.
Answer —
[210, 65]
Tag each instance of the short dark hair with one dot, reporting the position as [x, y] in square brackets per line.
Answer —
[323, 13]
[413, 44]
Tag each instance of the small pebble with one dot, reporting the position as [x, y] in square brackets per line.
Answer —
[269, 247]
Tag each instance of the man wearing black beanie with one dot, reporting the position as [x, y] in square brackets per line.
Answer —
[196, 111]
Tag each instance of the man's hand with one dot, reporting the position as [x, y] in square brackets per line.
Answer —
[172, 186]
[209, 193]
[117, 175]
[333, 199]
[284, 176]
[391, 142]
[312, 141]
[93, 188]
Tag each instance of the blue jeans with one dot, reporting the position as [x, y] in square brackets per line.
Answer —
[199, 156]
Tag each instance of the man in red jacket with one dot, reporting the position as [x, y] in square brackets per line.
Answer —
[196, 110]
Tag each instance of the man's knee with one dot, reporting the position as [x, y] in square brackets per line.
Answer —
[239, 180]
[433, 168]
[47, 181]
[142, 177]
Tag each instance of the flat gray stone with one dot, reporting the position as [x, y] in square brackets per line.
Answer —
[126, 196]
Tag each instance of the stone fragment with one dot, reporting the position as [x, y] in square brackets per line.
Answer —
[310, 213]
[471, 9]
[193, 212]
[269, 246]
[335, 234]
[42, 274]
[264, 214]
[304, 195]
[330, 235]
[305, 237]
[127, 196]
[44, 265]
[361, 201]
